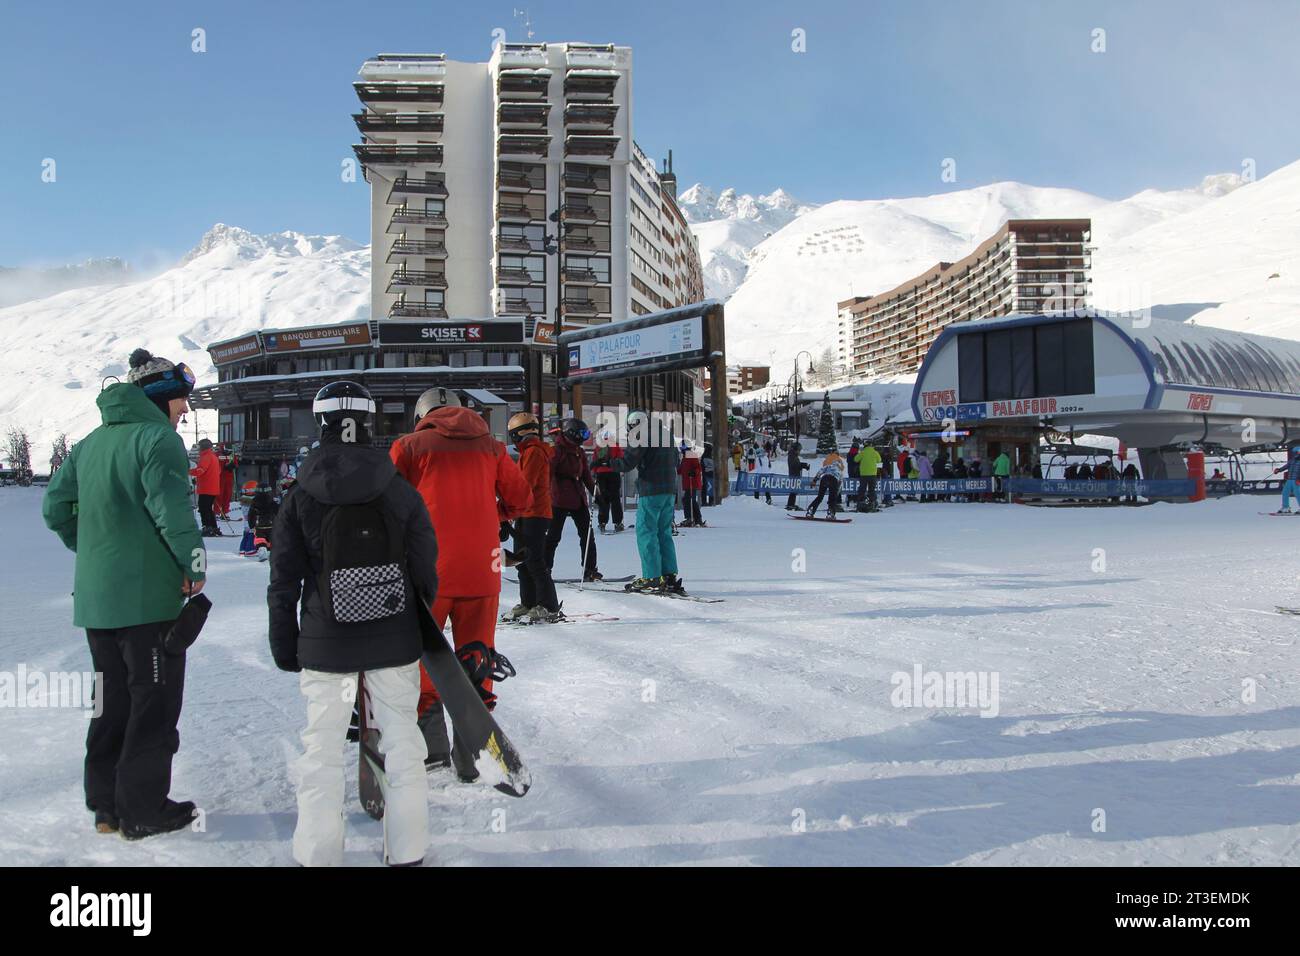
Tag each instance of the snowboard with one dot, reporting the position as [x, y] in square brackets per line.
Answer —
[1288, 610]
[370, 763]
[1281, 514]
[475, 731]
[826, 520]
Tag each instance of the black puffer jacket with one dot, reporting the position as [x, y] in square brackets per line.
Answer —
[338, 473]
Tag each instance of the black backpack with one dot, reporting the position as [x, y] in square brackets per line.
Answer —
[363, 569]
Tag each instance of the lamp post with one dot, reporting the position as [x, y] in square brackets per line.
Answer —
[797, 389]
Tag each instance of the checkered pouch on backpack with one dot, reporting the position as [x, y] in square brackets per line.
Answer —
[364, 574]
[367, 594]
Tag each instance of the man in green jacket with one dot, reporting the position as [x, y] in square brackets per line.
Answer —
[868, 460]
[1001, 472]
[121, 501]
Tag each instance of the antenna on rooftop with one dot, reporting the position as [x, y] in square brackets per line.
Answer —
[527, 21]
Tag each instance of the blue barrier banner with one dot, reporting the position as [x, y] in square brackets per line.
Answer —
[749, 482]
[1155, 488]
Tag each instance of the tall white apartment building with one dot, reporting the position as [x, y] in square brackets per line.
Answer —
[514, 188]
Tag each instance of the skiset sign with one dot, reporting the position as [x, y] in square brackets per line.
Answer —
[509, 332]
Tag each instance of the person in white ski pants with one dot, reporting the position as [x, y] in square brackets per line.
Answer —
[394, 694]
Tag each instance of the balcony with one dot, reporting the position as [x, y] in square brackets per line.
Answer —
[418, 310]
[510, 207]
[376, 93]
[416, 186]
[523, 114]
[403, 217]
[590, 182]
[583, 305]
[590, 114]
[600, 83]
[512, 304]
[584, 212]
[399, 122]
[577, 145]
[520, 244]
[520, 145]
[582, 243]
[510, 176]
[402, 280]
[578, 275]
[524, 82]
[389, 155]
[520, 276]
[417, 249]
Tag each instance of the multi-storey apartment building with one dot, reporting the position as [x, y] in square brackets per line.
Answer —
[1027, 266]
[514, 189]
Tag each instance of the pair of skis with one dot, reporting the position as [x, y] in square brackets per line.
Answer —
[477, 733]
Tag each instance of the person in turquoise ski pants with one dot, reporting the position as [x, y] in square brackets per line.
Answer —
[655, 459]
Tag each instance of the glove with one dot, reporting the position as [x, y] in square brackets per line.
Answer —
[289, 666]
[506, 530]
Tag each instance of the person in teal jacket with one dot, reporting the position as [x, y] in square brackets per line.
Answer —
[655, 459]
[121, 501]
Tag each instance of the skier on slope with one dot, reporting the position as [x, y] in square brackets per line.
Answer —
[354, 542]
[691, 470]
[1289, 486]
[470, 485]
[571, 485]
[537, 599]
[655, 460]
[121, 501]
[829, 478]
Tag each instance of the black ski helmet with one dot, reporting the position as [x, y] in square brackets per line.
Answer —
[521, 424]
[339, 401]
[575, 429]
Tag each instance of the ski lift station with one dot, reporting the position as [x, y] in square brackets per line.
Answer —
[1156, 385]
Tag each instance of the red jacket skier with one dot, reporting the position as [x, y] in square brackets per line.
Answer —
[470, 485]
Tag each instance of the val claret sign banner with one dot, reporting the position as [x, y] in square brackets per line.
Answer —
[662, 341]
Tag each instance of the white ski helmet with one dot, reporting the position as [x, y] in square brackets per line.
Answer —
[435, 397]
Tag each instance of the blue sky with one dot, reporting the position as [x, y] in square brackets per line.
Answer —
[154, 143]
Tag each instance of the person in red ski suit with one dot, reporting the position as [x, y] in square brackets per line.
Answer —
[470, 486]
[208, 486]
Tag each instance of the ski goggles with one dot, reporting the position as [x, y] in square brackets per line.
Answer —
[175, 382]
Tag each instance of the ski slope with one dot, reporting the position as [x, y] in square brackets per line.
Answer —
[688, 734]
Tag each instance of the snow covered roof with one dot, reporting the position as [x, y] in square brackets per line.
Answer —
[1185, 354]
[525, 71]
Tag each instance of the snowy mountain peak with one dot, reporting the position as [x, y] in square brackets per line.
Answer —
[699, 203]
[247, 245]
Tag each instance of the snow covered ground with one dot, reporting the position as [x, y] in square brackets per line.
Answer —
[761, 730]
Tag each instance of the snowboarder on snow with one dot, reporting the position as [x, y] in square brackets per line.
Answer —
[470, 485]
[829, 478]
[354, 542]
[121, 501]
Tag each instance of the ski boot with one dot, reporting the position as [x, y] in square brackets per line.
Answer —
[642, 585]
[540, 615]
[434, 728]
[516, 613]
[175, 816]
[106, 822]
[671, 584]
[604, 529]
[592, 577]
[618, 526]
